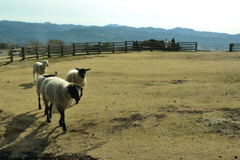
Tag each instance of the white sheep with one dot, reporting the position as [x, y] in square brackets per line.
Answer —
[78, 76]
[59, 92]
[39, 68]
[40, 79]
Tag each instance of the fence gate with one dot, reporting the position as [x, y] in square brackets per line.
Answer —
[187, 46]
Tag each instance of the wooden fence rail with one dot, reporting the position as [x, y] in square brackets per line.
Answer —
[234, 47]
[96, 48]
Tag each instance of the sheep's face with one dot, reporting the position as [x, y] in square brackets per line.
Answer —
[82, 72]
[73, 91]
[45, 62]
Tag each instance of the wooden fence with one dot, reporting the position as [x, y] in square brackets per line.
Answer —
[188, 46]
[95, 48]
[234, 47]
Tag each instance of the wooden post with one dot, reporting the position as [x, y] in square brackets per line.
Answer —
[49, 55]
[196, 47]
[231, 47]
[74, 49]
[11, 54]
[151, 45]
[23, 53]
[125, 46]
[37, 52]
[87, 48]
[139, 46]
[99, 47]
[62, 52]
[113, 44]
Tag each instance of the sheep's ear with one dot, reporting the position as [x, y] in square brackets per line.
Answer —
[88, 69]
[77, 69]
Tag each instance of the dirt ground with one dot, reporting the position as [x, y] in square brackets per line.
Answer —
[148, 105]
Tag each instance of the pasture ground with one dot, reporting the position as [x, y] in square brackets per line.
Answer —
[159, 105]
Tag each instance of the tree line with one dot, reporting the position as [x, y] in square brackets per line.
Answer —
[5, 45]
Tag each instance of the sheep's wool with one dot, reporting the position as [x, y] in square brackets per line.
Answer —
[73, 77]
[54, 90]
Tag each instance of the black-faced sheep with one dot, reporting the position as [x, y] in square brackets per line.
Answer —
[39, 68]
[59, 92]
[78, 76]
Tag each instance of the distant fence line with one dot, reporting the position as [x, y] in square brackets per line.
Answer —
[99, 47]
[234, 47]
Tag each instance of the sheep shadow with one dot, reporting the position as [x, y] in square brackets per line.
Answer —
[27, 85]
[30, 146]
[18, 125]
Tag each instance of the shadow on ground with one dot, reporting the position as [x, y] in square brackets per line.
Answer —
[15, 146]
[27, 85]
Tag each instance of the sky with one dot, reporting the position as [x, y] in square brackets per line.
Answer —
[202, 15]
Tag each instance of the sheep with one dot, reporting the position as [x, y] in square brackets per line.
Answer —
[78, 76]
[39, 68]
[40, 79]
[59, 92]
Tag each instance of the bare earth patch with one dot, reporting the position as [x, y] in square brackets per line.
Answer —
[148, 105]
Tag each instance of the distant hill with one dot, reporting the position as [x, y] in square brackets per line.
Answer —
[15, 32]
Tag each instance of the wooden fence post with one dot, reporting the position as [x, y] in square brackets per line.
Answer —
[62, 52]
[37, 52]
[49, 54]
[231, 47]
[196, 47]
[99, 47]
[139, 46]
[23, 53]
[11, 55]
[87, 48]
[125, 46]
[113, 51]
[151, 45]
[74, 49]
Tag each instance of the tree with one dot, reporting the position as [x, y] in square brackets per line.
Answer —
[4, 45]
[55, 42]
[31, 42]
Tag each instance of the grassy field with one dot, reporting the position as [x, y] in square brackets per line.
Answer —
[148, 105]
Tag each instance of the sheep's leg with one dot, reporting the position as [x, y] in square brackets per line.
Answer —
[39, 102]
[62, 120]
[50, 110]
[46, 108]
[81, 92]
[46, 113]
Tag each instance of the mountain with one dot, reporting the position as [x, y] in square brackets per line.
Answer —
[15, 32]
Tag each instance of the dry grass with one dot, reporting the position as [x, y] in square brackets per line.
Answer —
[156, 105]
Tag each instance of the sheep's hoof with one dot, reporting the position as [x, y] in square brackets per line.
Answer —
[48, 120]
[64, 128]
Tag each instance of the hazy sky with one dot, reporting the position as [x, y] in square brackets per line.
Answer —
[202, 15]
